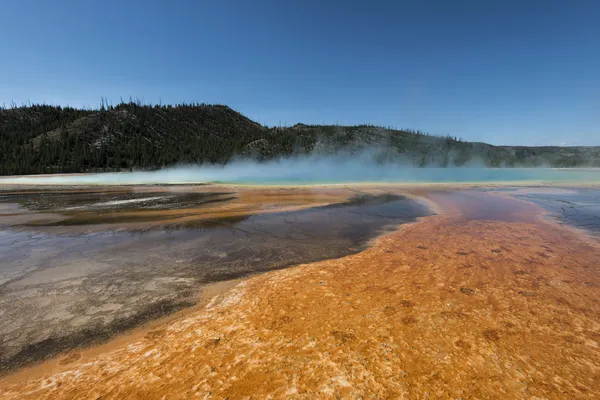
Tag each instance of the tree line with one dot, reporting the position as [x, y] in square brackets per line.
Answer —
[41, 138]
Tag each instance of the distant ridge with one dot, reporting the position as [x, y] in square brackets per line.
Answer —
[52, 139]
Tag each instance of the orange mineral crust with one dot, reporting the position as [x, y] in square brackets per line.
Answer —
[446, 308]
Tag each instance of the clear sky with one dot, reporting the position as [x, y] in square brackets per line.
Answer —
[504, 72]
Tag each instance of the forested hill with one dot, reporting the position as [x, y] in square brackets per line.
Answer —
[49, 139]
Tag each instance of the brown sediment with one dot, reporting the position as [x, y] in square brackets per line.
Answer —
[233, 204]
[467, 304]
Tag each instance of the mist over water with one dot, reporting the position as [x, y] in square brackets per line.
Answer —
[317, 169]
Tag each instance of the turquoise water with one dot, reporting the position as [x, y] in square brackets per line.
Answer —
[317, 172]
[440, 175]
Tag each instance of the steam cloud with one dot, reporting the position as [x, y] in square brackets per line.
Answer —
[340, 168]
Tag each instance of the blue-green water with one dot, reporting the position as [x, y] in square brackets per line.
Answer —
[317, 172]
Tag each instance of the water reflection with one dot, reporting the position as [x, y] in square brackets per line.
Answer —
[60, 290]
[577, 207]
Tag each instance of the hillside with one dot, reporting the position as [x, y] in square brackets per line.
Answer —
[49, 139]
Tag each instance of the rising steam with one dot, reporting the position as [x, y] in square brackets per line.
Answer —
[340, 168]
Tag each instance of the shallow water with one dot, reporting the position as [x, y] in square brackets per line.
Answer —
[64, 284]
[473, 205]
[578, 207]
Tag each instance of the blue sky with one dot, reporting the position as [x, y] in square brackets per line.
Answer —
[504, 72]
